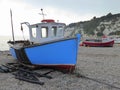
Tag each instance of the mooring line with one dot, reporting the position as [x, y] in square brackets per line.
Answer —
[96, 80]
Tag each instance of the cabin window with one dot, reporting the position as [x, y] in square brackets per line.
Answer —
[54, 31]
[60, 31]
[44, 32]
[34, 32]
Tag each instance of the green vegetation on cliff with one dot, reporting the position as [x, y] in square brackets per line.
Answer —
[91, 26]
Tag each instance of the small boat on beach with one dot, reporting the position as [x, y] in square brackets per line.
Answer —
[47, 46]
[98, 43]
[108, 38]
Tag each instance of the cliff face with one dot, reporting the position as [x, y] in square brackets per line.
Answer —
[105, 25]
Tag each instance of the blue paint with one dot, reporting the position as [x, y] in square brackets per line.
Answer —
[63, 52]
[55, 53]
[78, 37]
[12, 51]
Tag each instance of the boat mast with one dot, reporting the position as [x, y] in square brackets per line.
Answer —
[42, 14]
[12, 25]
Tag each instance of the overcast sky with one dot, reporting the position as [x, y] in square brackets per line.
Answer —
[67, 11]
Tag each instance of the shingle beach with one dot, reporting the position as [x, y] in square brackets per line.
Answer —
[100, 64]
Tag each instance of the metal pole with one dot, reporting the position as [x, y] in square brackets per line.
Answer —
[42, 12]
[12, 25]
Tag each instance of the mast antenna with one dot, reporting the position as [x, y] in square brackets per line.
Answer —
[42, 13]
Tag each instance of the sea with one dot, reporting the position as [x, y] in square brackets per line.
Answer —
[4, 39]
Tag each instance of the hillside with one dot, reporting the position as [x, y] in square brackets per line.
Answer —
[105, 25]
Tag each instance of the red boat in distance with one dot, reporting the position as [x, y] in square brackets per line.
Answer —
[98, 43]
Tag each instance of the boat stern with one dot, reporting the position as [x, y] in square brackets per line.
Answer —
[12, 52]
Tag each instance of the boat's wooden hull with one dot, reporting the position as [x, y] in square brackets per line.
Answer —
[99, 44]
[60, 54]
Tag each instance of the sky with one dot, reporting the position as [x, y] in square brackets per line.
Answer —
[66, 11]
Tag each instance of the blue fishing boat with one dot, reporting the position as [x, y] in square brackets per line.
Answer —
[47, 46]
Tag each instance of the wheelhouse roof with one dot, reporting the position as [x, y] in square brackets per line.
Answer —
[52, 23]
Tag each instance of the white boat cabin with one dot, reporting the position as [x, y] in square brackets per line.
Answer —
[47, 30]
